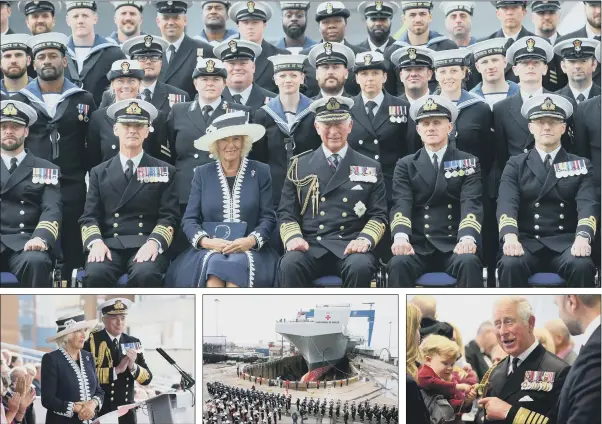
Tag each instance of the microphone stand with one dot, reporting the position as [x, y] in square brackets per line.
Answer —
[187, 381]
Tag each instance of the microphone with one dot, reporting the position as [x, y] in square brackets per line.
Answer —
[187, 381]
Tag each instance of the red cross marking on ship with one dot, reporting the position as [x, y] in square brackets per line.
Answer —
[327, 317]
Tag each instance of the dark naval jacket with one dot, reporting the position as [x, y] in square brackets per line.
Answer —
[126, 215]
[258, 97]
[64, 382]
[581, 33]
[384, 138]
[163, 98]
[588, 135]
[542, 209]
[29, 209]
[340, 210]
[433, 210]
[264, 69]
[118, 388]
[566, 92]
[392, 74]
[93, 75]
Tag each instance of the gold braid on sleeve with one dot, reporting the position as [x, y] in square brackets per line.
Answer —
[314, 187]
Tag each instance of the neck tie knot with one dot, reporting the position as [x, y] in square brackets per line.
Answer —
[206, 111]
[515, 364]
[580, 98]
[237, 98]
[146, 95]
[172, 52]
[435, 162]
[334, 160]
[547, 161]
[129, 172]
[13, 165]
[370, 105]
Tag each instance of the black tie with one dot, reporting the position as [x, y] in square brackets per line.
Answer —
[237, 99]
[370, 105]
[172, 53]
[580, 98]
[547, 161]
[146, 93]
[436, 163]
[514, 365]
[334, 159]
[129, 172]
[117, 350]
[206, 110]
[509, 42]
[13, 165]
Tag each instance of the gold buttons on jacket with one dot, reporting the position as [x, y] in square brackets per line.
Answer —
[22, 212]
[344, 214]
[561, 216]
[342, 227]
[345, 199]
[323, 199]
[141, 225]
[115, 225]
[537, 227]
[426, 226]
[321, 227]
[562, 205]
[322, 213]
[536, 205]
[116, 215]
[449, 206]
[536, 216]
[561, 228]
[318, 238]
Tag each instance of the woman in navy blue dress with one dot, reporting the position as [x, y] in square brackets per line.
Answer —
[230, 216]
[70, 390]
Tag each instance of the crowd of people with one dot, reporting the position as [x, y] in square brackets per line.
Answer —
[512, 372]
[19, 385]
[239, 406]
[225, 160]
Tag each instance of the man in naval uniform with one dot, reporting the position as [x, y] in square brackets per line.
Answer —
[90, 55]
[131, 211]
[215, 17]
[128, 18]
[578, 63]
[332, 19]
[40, 15]
[180, 58]
[294, 25]
[458, 21]
[333, 64]
[5, 12]
[525, 386]
[251, 18]
[333, 209]
[58, 135]
[148, 50]
[417, 17]
[437, 217]
[547, 205]
[31, 201]
[379, 15]
[118, 358]
[15, 60]
[239, 58]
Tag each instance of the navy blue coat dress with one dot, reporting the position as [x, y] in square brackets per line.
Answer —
[212, 200]
[65, 382]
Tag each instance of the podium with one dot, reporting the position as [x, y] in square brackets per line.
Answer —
[166, 408]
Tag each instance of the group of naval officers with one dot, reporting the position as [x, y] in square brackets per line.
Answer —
[414, 154]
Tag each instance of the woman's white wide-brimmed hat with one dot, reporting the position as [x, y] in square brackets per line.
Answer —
[70, 323]
[228, 125]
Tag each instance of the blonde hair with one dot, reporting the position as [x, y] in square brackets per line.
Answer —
[246, 147]
[62, 341]
[427, 305]
[439, 345]
[458, 337]
[544, 337]
[413, 317]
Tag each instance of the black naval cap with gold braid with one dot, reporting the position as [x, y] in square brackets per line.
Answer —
[115, 306]
[38, 6]
[133, 111]
[176, 7]
[332, 109]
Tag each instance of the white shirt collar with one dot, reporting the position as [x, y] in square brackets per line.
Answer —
[589, 331]
[553, 38]
[526, 96]
[525, 354]
[150, 87]
[513, 36]
[324, 95]
[341, 152]
[244, 94]
[589, 33]
[112, 337]
[439, 153]
[4, 33]
[177, 43]
[136, 159]
[584, 92]
[374, 47]
[543, 154]
[378, 100]
[214, 105]
[19, 157]
[412, 100]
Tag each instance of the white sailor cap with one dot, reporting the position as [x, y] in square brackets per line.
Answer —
[453, 57]
[125, 68]
[434, 106]
[576, 48]
[413, 56]
[288, 62]
[377, 9]
[117, 305]
[209, 68]
[17, 112]
[331, 9]
[294, 5]
[48, 40]
[250, 10]
[177, 7]
[69, 5]
[547, 105]
[14, 42]
[331, 109]
[144, 45]
[369, 60]
[29, 7]
[237, 49]
[138, 4]
[331, 52]
[530, 48]
[407, 5]
[489, 47]
[457, 6]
